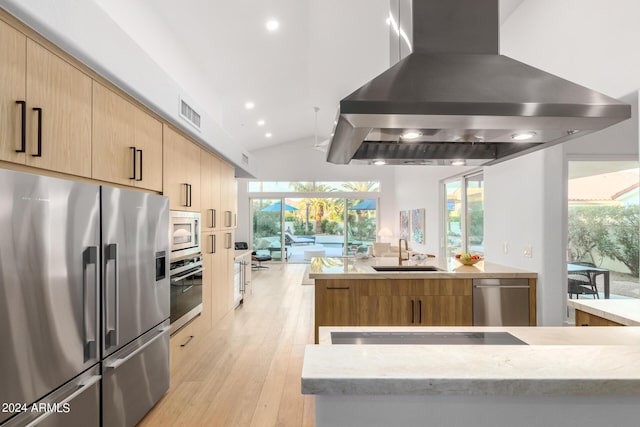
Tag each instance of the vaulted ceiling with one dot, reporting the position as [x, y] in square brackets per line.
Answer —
[223, 56]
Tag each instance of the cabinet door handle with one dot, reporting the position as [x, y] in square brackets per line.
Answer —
[139, 152]
[186, 194]
[23, 127]
[133, 158]
[213, 244]
[39, 152]
[413, 312]
[190, 194]
[419, 311]
[336, 288]
[212, 217]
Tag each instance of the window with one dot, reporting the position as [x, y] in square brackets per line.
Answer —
[464, 215]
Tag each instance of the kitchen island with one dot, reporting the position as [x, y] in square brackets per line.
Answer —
[564, 376]
[609, 312]
[351, 292]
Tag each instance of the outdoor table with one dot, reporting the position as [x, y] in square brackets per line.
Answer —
[592, 272]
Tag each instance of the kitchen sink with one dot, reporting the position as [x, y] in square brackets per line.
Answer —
[406, 268]
[425, 338]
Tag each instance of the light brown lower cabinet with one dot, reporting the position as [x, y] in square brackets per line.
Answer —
[409, 302]
[585, 319]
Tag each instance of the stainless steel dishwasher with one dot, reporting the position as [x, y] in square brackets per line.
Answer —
[501, 302]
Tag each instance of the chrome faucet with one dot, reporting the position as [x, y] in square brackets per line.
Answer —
[406, 248]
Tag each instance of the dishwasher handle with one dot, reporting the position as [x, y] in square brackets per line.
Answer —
[503, 286]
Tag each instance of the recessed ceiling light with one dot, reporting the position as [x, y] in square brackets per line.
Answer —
[272, 25]
[249, 105]
[268, 135]
[458, 162]
[523, 136]
[260, 122]
[379, 162]
[411, 134]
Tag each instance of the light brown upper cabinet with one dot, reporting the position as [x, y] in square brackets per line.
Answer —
[130, 138]
[13, 71]
[228, 196]
[46, 107]
[210, 191]
[181, 167]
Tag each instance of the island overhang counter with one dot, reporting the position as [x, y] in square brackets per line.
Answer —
[565, 376]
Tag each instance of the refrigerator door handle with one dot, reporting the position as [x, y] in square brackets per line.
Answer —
[90, 256]
[111, 335]
[116, 363]
[84, 386]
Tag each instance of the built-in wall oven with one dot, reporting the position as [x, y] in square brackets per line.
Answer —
[184, 234]
[186, 290]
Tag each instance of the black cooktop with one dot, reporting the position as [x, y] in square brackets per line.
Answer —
[426, 338]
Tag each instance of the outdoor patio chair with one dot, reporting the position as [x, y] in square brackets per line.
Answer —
[290, 239]
[579, 284]
[257, 260]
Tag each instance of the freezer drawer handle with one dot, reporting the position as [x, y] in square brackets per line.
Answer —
[502, 286]
[84, 386]
[116, 363]
[90, 256]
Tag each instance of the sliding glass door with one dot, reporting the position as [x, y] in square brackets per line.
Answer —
[267, 227]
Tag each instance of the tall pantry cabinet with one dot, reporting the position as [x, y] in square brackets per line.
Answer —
[217, 237]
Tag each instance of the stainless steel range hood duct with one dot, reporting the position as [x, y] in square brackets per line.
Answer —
[463, 101]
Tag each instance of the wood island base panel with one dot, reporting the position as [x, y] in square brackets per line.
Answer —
[349, 292]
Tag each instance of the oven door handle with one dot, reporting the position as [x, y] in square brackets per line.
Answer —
[189, 274]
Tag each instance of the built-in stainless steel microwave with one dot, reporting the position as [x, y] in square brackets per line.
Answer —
[184, 234]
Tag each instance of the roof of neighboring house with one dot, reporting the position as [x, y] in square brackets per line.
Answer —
[606, 187]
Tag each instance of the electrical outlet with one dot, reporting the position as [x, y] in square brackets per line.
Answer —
[528, 251]
[505, 248]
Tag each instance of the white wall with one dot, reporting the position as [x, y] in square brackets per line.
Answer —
[420, 187]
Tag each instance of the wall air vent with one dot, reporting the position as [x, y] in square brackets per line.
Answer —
[245, 159]
[189, 114]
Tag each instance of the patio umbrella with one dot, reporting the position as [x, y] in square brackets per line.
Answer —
[365, 205]
[277, 206]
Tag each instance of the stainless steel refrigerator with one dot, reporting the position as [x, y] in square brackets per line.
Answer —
[84, 302]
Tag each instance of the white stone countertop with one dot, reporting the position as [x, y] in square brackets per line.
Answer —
[355, 268]
[624, 311]
[565, 361]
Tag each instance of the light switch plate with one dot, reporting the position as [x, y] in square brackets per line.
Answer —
[505, 248]
[528, 251]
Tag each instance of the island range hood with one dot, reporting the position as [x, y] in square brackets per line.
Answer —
[452, 99]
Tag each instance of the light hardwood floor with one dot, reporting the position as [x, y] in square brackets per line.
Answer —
[246, 370]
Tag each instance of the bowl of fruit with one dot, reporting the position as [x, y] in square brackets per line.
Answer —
[468, 259]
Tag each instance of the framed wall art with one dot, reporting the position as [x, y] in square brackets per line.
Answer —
[417, 225]
[404, 224]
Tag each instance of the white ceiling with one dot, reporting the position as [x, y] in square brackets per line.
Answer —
[222, 55]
